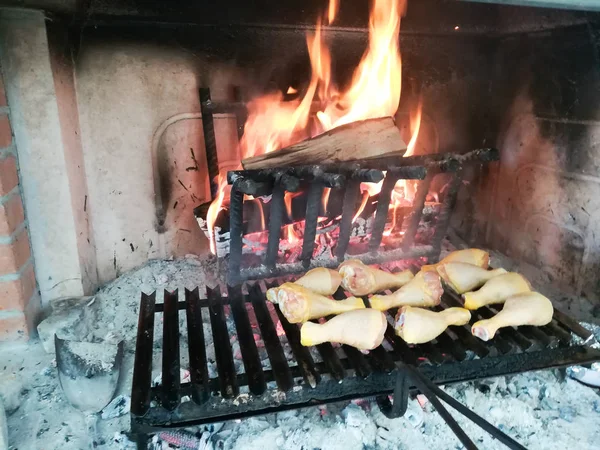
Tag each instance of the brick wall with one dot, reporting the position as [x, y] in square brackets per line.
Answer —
[18, 293]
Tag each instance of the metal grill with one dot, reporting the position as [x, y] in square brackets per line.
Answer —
[323, 374]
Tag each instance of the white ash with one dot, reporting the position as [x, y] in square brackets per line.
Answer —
[540, 409]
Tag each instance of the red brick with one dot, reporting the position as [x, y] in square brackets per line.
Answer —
[5, 131]
[14, 255]
[11, 214]
[3, 101]
[13, 328]
[9, 177]
[16, 293]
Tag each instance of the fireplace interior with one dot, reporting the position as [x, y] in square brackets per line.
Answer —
[122, 178]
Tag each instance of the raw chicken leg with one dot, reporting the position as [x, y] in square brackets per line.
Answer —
[473, 256]
[417, 325]
[497, 290]
[363, 329]
[299, 304]
[425, 289]
[360, 279]
[463, 277]
[321, 281]
[530, 308]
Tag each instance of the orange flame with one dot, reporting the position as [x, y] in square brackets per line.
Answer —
[415, 126]
[325, 199]
[373, 92]
[334, 6]
[213, 211]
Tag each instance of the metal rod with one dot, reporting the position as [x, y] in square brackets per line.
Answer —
[420, 383]
[142, 371]
[256, 376]
[196, 346]
[210, 142]
[441, 226]
[383, 206]
[223, 353]
[310, 224]
[236, 222]
[348, 211]
[241, 114]
[171, 380]
[417, 212]
[275, 222]
[475, 418]
[253, 273]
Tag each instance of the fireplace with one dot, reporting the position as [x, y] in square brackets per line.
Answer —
[124, 133]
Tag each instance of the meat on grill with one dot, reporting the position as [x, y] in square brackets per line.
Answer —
[425, 289]
[497, 290]
[417, 325]
[360, 279]
[464, 277]
[530, 308]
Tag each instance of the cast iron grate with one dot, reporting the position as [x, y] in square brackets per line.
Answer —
[338, 373]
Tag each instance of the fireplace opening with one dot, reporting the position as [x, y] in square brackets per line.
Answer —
[167, 168]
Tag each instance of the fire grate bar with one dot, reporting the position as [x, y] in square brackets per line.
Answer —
[276, 182]
[342, 373]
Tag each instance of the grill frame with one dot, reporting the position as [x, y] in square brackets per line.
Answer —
[310, 383]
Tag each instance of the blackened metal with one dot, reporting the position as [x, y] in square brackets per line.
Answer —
[170, 355]
[425, 384]
[445, 213]
[301, 353]
[281, 369]
[381, 360]
[572, 325]
[465, 335]
[253, 273]
[223, 352]
[210, 142]
[348, 211]
[328, 389]
[419, 380]
[235, 233]
[256, 376]
[275, 222]
[197, 347]
[383, 205]
[408, 172]
[500, 342]
[241, 114]
[401, 392]
[331, 360]
[368, 175]
[417, 212]
[313, 202]
[251, 187]
[480, 155]
[142, 371]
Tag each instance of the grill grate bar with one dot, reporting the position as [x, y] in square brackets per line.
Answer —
[417, 212]
[301, 353]
[381, 213]
[464, 334]
[196, 346]
[142, 371]
[348, 210]
[310, 224]
[503, 345]
[281, 369]
[275, 221]
[223, 351]
[252, 365]
[331, 360]
[170, 355]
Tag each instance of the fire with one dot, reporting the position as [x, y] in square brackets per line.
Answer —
[415, 126]
[374, 92]
[213, 211]
[325, 199]
[334, 6]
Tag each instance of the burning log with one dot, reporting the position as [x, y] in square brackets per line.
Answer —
[362, 140]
